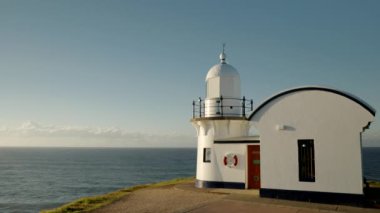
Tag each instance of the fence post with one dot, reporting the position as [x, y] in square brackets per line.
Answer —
[221, 105]
[243, 107]
[200, 107]
[193, 109]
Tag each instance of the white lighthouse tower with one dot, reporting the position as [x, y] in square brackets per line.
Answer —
[220, 115]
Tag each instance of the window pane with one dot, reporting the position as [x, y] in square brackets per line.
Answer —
[207, 155]
[306, 165]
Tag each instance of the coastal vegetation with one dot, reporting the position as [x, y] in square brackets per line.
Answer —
[374, 184]
[88, 204]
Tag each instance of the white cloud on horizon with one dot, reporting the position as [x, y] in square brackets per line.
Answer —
[32, 133]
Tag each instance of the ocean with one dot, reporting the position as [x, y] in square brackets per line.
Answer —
[32, 179]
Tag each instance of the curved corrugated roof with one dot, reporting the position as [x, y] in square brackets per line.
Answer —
[307, 88]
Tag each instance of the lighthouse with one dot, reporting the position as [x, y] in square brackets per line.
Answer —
[308, 147]
[220, 115]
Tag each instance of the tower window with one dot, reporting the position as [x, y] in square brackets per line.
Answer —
[306, 165]
[207, 155]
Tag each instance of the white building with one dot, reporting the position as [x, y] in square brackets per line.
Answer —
[308, 147]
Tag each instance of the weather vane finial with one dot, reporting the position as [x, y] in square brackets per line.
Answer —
[222, 55]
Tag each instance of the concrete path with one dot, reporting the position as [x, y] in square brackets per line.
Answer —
[242, 206]
[186, 198]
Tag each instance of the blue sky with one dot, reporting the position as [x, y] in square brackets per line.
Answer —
[133, 67]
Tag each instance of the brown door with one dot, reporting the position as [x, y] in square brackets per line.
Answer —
[253, 167]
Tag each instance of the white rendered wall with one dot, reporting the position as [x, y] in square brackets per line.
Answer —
[226, 86]
[209, 130]
[233, 174]
[230, 86]
[213, 108]
[332, 121]
[213, 88]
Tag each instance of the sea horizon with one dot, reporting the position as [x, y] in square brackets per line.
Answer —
[120, 147]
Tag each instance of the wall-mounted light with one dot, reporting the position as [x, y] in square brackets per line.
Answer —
[280, 127]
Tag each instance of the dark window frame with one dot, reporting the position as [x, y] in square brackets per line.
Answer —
[204, 155]
[306, 160]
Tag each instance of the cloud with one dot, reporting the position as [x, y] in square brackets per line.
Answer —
[31, 133]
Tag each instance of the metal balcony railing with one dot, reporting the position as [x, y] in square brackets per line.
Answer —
[221, 107]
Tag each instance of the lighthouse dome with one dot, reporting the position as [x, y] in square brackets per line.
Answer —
[222, 70]
[223, 80]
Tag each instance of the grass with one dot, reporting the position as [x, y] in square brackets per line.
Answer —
[374, 184]
[88, 204]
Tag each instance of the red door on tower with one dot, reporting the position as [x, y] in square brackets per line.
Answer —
[253, 153]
